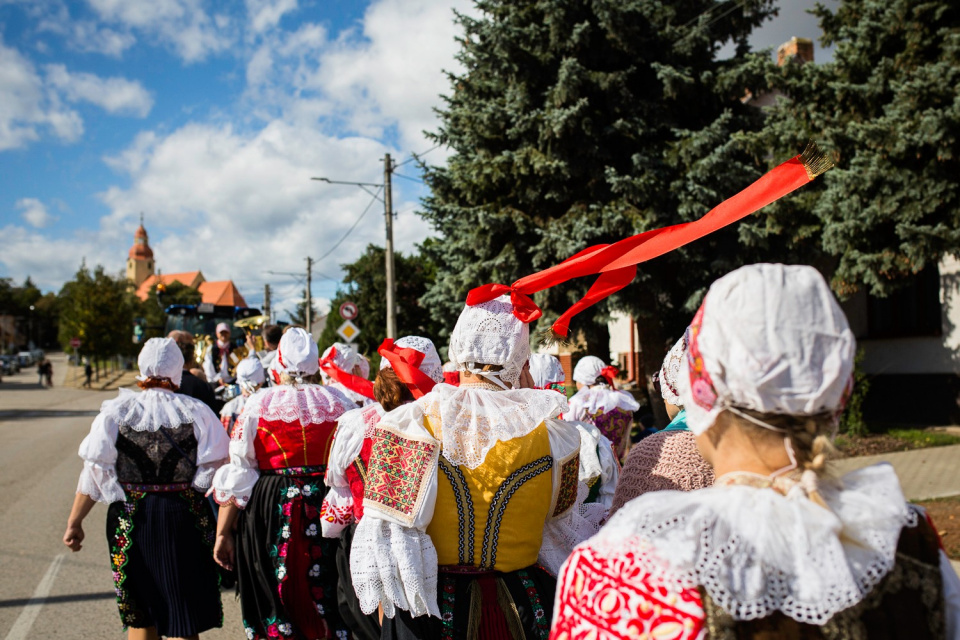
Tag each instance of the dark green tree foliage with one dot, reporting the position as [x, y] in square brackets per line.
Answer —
[99, 310]
[38, 324]
[152, 310]
[365, 284]
[299, 316]
[889, 105]
[577, 122]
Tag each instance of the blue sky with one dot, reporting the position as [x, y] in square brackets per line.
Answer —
[210, 118]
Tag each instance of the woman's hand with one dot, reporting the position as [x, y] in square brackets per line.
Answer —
[73, 537]
[223, 550]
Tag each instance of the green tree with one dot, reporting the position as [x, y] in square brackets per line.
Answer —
[578, 122]
[889, 104]
[38, 324]
[365, 284]
[299, 316]
[99, 310]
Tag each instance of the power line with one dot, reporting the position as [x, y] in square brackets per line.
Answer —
[417, 156]
[375, 198]
[400, 175]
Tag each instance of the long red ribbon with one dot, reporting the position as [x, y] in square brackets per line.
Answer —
[355, 383]
[406, 363]
[617, 263]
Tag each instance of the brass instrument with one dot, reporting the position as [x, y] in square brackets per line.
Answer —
[252, 327]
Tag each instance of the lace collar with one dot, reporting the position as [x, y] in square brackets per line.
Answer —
[305, 404]
[153, 408]
[469, 420]
[756, 551]
[603, 400]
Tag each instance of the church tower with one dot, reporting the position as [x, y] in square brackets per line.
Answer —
[140, 257]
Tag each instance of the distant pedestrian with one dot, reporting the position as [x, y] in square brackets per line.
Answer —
[40, 372]
[88, 373]
[48, 372]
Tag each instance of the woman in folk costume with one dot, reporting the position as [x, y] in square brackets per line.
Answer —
[250, 377]
[775, 549]
[464, 486]
[668, 459]
[598, 402]
[342, 368]
[150, 456]
[409, 368]
[272, 489]
[599, 467]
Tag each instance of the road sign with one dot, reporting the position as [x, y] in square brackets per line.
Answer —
[75, 343]
[348, 310]
[348, 331]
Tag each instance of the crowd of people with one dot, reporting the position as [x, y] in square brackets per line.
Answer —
[490, 505]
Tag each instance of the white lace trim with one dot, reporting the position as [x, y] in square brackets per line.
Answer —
[151, 409]
[305, 404]
[561, 535]
[100, 483]
[602, 399]
[756, 551]
[473, 420]
[394, 566]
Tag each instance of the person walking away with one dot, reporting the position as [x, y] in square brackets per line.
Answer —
[776, 548]
[190, 384]
[598, 402]
[48, 372]
[273, 491]
[250, 377]
[151, 456]
[88, 373]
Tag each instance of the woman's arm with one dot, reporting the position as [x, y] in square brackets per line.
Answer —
[223, 548]
[73, 537]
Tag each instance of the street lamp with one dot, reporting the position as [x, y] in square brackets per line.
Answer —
[30, 342]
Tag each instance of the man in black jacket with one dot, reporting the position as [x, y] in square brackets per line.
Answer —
[191, 385]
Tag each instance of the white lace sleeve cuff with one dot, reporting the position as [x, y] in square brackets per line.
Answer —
[395, 567]
[561, 535]
[234, 483]
[336, 513]
[100, 483]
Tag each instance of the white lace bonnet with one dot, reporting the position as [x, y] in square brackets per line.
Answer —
[161, 358]
[430, 366]
[588, 370]
[250, 371]
[489, 333]
[670, 372]
[545, 369]
[771, 338]
[346, 359]
[297, 354]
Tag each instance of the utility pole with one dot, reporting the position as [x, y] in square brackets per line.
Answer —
[391, 278]
[266, 302]
[309, 295]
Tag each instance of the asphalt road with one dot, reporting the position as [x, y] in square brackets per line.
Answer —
[46, 591]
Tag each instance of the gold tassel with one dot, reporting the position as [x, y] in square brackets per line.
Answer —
[547, 337]
[815, 160]
[509, 608]
[476, 611]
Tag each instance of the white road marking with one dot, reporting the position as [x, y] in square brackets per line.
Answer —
[21, 628]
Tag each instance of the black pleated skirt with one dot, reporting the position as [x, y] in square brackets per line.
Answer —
[161, 551]
[531, 591]
[286, 570]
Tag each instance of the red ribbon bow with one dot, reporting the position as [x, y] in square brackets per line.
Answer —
[356, 384]
[406, 364]
[617, 263]
[610, 373]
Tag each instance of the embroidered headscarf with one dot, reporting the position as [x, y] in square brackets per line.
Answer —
[547, 372]
[297, 354]
[160, 358]
[491, 332]
[670, 372]
[415, 361]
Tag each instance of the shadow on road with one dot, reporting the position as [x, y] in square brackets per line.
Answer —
[76, 597]
[33, 414]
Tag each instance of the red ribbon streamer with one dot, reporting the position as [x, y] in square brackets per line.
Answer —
[406, 363]
[356, 384]
[617, 263]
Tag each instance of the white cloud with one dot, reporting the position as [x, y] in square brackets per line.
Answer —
[48, 261]
[115, 95]
[182, 25]
[34, 212]
[25, 106]
[266, 14]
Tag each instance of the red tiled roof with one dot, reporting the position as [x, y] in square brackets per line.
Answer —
[189, 278]
[222, 292]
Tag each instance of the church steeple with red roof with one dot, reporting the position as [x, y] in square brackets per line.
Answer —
[140, 257]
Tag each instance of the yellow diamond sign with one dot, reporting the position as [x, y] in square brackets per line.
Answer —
[348, 331]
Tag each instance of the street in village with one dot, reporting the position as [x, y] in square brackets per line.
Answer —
[46, 591]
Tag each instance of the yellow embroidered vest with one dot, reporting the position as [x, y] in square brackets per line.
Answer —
[492, 517]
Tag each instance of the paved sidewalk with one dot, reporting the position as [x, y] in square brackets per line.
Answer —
[924, 473]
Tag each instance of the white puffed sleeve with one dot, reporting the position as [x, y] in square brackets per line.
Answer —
[393, 560]
[234, 481]
[336, 512]
[570, 521]
[347, 442]
[578, 410]
[598, 462]
[213, 445]
[99, 452]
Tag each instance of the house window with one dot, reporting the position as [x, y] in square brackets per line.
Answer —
[912, 311]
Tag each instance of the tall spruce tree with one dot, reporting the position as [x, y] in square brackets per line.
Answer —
[889, 105]
[578, 122]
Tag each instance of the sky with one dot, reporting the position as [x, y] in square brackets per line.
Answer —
[211, 118]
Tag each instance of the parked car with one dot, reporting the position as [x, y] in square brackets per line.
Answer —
[10, 364]
[25, 358]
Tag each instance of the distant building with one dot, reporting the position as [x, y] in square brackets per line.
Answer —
[140, 272]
